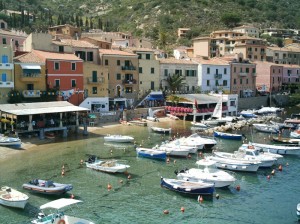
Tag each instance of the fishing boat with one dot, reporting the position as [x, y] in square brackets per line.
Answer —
[278, 149]
[10, 141]
[298, 211]
[266, 128]
[161, 130]
[47, 187]
[118, 138]
[292, 141]
[218, 177]
[108, 166]
[58, 216]
[12, 198]
[151, 153]
[234, 165]
[263, 161]
[187, 187]
[225, 135]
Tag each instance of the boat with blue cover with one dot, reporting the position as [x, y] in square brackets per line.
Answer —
[151, 153]
[225, 135]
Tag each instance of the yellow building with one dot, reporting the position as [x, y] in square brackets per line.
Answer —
[30, 75]
[6, 72]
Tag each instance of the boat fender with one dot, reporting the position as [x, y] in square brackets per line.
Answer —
[61, 221]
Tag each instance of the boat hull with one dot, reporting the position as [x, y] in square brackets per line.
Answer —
[278, 149]
[119, 168]
[10, 142]
[40, 187]
[227, 135]
[185, 187]
[13, 198]
[118, 138]
[151, 154]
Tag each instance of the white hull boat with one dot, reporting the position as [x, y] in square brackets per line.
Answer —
[251, 150]
[218, 177]
[109, 166]
[161, 130]
[268, 110]
[298, 211]
[174, 151]
[266, 128]
[278, 149]
[199, 125]
[12, 198]
[10, 141]
[118, 138]
[58, 217]
[195, 139]
[177, 144]
[234, 165]
[295, 134]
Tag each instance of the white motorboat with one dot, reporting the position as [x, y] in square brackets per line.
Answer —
[242, 156]
[266, 128]
[118, 138]
[218, 177]
[197, 140]
[162, 130]
[151, 153]
[179, 144]
[295, 134]
[298, 211]
[278, 149]
[12, 198]
[199, 125]
[248, 113]
[251, 150]
[108, 166]
[175, 150]
[10, 141]
[269, 110]
[233, 164]
[58, 216]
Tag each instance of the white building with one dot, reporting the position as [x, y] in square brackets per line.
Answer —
[250, 31]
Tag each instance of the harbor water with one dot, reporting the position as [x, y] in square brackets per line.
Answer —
[136, 197]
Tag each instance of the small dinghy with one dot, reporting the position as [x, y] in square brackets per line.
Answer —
[225, 135]
[151, 153]
[161, 130]
[47, 187]
[118, 138]
[187, 187]
[12, 198]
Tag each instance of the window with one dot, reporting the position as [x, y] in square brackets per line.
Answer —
[3, 77]
[208, 70]
[234, 69]
[94, 76]
[73, 83]
[253, 70]
[178, 72]
[140, 69]
[247, 70]
[241, 81]
[224, 82]
[128, 90]
[30, 87]
[152, 85]
[94, 90]
[207, 82]
[118, 76]
[225, 71]
[60, 48]
[246, 81]
[57, 83]
[106, 62]
[217, 71]
[147, 56]
[90, 56]
[56, 65]
[118, 62]
[217, 83]
[166, 72]
[4, 59]
[241, 69]
[140, 56]
[152, 70]
[3, 40]
[73, 65]
[234, 81]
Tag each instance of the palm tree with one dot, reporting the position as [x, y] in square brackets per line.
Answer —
[175, 82]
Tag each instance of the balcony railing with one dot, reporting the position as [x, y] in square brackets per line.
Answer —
[128, 68]
[31, 93]
[243, 73]
[98, 80]
[6, 84]
[218, 76]
[33, 77]
[6, 66]
[129, 82]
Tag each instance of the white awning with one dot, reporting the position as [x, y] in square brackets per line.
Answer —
[60, 203]
[35, 67]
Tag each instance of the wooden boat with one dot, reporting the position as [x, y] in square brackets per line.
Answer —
[293, 141]
[59, 216]
[187, 187]
[225, 135]
[266, 128]
[118, 138]
[151, 153]
[47, 187]
[108, 166]
[12, 198]
[10, 141]
[278, 149]
[161, 130]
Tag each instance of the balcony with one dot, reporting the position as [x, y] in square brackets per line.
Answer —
[218, 76]
[128, 68]
[33, 77]
[129, 82]
[254, 74]
[31, 93]
[243, 74]
[6, 66]
[6, 84]
[90, 80]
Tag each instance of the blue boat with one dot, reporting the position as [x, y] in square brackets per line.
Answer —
[248, 114]
[188, 187]
[225, 135]
[151, 153]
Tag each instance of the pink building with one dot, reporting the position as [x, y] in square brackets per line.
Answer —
[269, 77]
[14, 38]
[291, 74]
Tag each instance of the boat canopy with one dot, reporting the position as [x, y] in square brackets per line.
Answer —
[60, 203]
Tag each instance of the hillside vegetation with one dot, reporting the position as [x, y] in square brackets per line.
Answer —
[155, 19]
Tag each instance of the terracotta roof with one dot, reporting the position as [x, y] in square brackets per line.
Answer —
[13, 33]
[74, 43]
[176, 61]
[210, 61]
[97, 39]
[290, 49]
[31, 57]
[226, 31]
[115, 52]
[137, 49]
[290, 66]
[57, 56]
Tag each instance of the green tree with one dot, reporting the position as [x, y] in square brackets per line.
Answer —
[230, 19]
[175, 82]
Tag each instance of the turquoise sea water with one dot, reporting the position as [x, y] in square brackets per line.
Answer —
[140, 199]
